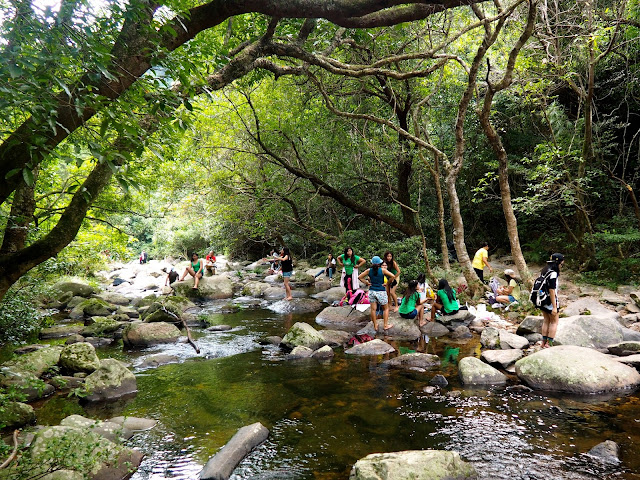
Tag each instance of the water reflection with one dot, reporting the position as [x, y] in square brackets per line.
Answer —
[325, 416]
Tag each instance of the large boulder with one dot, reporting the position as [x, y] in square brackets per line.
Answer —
[102, 327]
[413, 465]
[303, 334]
[181, 303]
[159, 312]
[374, 347]
[574, 369]
[17, 415]
[530, 324]
[36, 362]
[474, 371]
[592, 331]
[92, 307]
[343, 318]
[114, 298]
[79, 357]
[586, 306]
[89, 454]
[140, 334]
[110, 381]
[413, 361]
[333, 294]
[434, 329]
[254, 288]
[76, 287]
[213, 287]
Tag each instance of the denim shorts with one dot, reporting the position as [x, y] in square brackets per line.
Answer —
[286, 274]
[410, 315]
[512, 298]
[379, 297]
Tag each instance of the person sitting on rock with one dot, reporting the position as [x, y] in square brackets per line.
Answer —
[210, 264]
[412, 305]
[329, 268]
[195, 269]
[446, 300]
[511, 292]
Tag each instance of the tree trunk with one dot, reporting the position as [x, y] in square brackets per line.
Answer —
[458, 236]
[21, 216]
[444, 248]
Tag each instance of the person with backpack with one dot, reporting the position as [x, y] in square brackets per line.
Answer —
[510, 293]
[349, 262]
[445, 300]
[546, 293]
[412, 305]
[377, 291]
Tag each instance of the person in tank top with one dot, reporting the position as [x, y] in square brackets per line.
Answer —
[377, 291]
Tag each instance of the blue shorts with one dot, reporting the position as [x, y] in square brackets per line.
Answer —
[286, 274]
[410, 315]
[378, 297]
[512, 298]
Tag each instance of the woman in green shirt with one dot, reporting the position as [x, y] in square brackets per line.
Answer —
[412, 304]
[195, 269]
[445, 300]
[350, 264]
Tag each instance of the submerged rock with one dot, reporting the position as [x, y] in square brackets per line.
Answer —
[413, 360]
[413, 465]
[573, 369]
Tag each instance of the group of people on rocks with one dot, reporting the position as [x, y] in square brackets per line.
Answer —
[196, 269]
[382, 278]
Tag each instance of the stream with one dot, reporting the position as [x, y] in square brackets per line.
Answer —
[324, 416]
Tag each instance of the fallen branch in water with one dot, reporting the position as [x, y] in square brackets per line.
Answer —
[186, 327]
[15, 450]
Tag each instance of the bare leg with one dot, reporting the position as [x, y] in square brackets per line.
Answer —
[197, 278]
[372, 314]
[420, 309]
[394, 298]
[188, 270]
[385, 316]
[287, 289]
[434, 308]
[549, 327]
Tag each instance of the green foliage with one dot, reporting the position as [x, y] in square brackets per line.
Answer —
[19, 318]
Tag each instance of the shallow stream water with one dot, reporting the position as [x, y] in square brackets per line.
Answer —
[323, 416]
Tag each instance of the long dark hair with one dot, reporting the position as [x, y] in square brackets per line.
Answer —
[347, 256]
[411, 289]
[444, 285]
[553, 264]
[285, 252]
[422, 278]
[393, 260]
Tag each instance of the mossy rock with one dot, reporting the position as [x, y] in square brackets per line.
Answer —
[110, 381]
[79, 357]
[91, 308]
[159, 312]
[145, 301]
[102, 327]
[182, 303]
[78, 288]
[17, 415]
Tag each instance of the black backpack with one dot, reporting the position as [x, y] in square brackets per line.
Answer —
[540, 291]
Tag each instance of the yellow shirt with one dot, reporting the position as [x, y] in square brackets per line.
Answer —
[478, 259]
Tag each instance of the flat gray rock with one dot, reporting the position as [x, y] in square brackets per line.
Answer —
[624, 349]
[530, 324]
[586, 305]
[592, 331]
[503, 358]
[343, 318]
[335, 338]
[509, 340]
[374, 347]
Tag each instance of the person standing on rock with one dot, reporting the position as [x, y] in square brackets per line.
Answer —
[480, 259]
[350, 264]
[287, 270]
[391, 285]
[377, 291]
[550, 311]
[196, 270]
